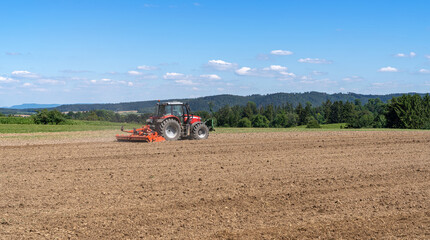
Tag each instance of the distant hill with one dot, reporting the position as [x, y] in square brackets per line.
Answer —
[34, 105]
[8, 111]
[202, 103]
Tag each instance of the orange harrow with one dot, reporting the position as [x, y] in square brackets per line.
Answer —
[144, 134]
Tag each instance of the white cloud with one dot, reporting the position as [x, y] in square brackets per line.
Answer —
[74, 71]
[388, 69]
[7, 80]
[280, 70]
[147, 68]
[428, 56]
[195, 89]
[221, 65]
[184, 82]
[310, 80]
[288, 75]
[318, 73]
[173, 75]
[78, 78]
[20, 72]
[275, 68]
[27, 84]
[411, 54]
[281, 52]
[220, 89]
[149, 5]
[149, 76]
[352, 79]
[274, 71]
[426, 71]
[13, 53]
[108, 81]
[263, 57]
[142, 75]
[183, 79]
[134, 73]
[380, 84]
[314, 60]
[50, 81]
[24, 74]
[244, 71]
[39, 89]
[130, 84]
[211, 76]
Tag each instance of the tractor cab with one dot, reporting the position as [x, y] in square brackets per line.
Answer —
[180, 111]
[177, 109]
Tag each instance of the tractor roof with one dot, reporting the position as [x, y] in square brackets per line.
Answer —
[172, 103]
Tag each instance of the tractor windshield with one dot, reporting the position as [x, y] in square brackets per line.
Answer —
[177, 110]
[163, 110]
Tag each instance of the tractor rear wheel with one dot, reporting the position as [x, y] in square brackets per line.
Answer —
[200, 131]
[170, 129]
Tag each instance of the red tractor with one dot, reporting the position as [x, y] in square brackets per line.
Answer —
[172, 121]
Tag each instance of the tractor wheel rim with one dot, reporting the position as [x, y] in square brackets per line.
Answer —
[202, 133]
[171, 132]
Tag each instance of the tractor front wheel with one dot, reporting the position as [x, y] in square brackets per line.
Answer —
[170, 129]
[200, 131]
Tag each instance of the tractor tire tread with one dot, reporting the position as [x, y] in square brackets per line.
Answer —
[165, 124]
[196, 129]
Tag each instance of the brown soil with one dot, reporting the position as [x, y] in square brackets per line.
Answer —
[343, 184]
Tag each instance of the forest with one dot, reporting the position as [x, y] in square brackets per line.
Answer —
[406, 111]
[219, 101]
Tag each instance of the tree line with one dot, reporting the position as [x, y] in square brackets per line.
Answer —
[55, 117]
[107, 115]
[406, 111]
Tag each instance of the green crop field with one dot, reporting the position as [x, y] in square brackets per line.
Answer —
[72, 126]
[16, 120]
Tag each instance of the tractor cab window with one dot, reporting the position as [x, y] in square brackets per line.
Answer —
[161, 111]
[177, 110]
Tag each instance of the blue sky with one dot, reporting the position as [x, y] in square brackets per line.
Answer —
[82, 51]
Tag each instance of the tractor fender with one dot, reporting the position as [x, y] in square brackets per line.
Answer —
[160, 120]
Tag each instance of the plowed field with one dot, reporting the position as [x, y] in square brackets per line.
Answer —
[327, 184]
